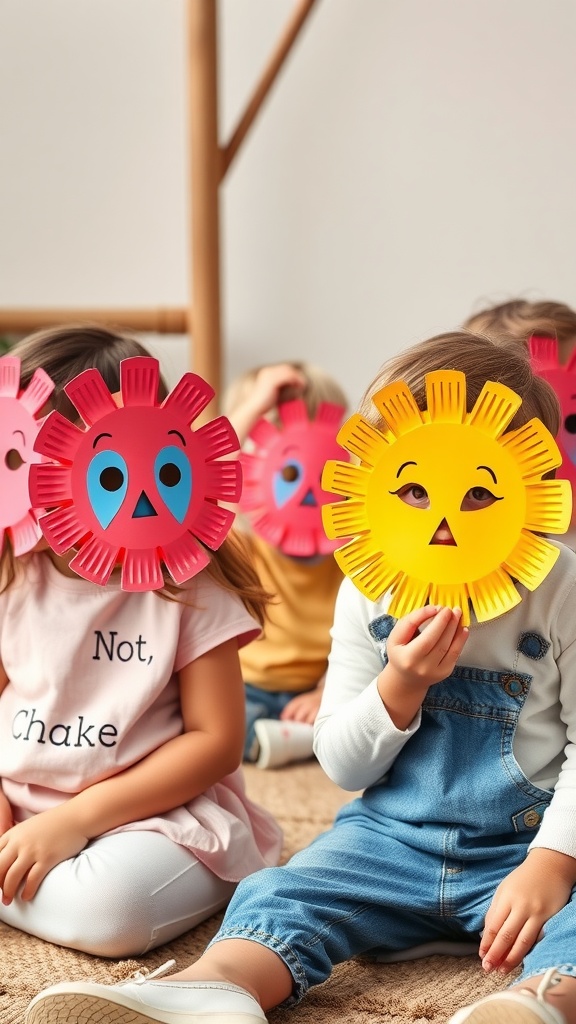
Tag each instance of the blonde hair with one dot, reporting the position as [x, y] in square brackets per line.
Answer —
[518, 319]
[481, 359]
[319, 387]
[64, 352]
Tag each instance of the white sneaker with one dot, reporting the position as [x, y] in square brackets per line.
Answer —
[519, 1006]
[282, 742]
[143, 1001]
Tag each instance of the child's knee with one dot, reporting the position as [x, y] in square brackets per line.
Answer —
[115, 924]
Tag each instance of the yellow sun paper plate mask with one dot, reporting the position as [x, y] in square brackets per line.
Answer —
[447, 455]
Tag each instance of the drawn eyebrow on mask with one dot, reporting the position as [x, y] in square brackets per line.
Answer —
[488, 470]
[98, 437]
[403, 466]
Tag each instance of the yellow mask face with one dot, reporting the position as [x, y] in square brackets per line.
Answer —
[447, 473]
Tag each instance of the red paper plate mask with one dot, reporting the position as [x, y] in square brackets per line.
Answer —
[545, 362]
[136, 486]
[18, 430]
[282, 495]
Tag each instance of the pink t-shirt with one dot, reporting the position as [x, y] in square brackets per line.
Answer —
[92, 689]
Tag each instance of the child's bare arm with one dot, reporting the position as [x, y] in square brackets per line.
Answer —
[264, 396]
[3, 678]
[523, 902]
[6, 820]
[212, 695]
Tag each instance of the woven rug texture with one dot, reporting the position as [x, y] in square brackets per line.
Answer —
[304, 801]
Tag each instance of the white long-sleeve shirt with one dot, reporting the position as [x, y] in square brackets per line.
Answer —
[356, 741]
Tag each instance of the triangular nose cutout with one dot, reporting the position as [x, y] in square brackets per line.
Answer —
[144, 508]
[309, 498]
[443, 525]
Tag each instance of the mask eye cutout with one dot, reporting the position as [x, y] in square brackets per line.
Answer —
[290, 473]
[287, 481]
[173, 476]
[570, 423]
[106, 484]
[478, 498]
[414, 495]
[13, 459]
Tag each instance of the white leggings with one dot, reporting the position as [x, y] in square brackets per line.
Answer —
[121, 896]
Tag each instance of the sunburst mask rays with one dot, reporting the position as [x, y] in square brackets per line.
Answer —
[282, 496]
[442, 503]
[18, 429]
[562, 376]
[136, 486]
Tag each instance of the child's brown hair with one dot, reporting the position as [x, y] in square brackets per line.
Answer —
[518, 319]
[481, 359]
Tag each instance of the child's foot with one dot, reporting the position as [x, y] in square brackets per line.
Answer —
[282, 742]
[143, 1001]
[514, 1006]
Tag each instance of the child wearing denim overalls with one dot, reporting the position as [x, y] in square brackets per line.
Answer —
[464, 741]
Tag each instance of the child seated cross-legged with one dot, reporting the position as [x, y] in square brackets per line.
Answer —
[449, 698]
[123, 816]
[284, 669]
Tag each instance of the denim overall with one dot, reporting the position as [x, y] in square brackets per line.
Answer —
[417, 858]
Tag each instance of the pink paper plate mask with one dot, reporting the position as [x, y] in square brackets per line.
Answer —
[136, 486]
[18, 430]
[282, 495]
[545, 362]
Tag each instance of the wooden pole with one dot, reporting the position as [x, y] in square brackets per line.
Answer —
[160, 321]
[279, 55]
[208, 163]
[204, 181]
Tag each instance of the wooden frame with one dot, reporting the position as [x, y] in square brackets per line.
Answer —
[208, 166]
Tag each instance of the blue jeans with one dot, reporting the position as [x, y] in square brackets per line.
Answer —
[418, 857]
[261, 704]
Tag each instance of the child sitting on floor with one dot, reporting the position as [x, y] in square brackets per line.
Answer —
[284, 670]
[123, 815]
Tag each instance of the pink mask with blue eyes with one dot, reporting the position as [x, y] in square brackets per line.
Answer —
[545, 362]
[18, 430]
[282, 495]
[136, 486]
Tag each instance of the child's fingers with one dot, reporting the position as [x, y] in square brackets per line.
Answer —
[457, 645]
[11, 881]
[441, 642]
[35, 876]
[508, 945]
[442, 648]
[440, 633]
[406, 627]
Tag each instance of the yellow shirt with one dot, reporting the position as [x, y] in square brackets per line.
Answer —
[292, 654]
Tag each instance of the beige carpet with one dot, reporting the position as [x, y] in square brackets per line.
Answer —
[304, 802]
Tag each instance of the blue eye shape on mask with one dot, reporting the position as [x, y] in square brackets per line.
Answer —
[107, 483]
[287, 481]
[173, 476]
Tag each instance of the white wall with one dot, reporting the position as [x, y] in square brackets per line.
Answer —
[415, 160]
